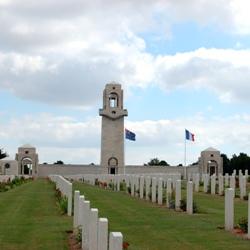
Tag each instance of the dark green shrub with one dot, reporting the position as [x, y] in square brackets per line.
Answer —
[243, 224]
[245, 197]
[79, 234]
[129, 189]
[183, 206]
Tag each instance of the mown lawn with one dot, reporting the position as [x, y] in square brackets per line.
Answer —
[146, 226]
[30, 218]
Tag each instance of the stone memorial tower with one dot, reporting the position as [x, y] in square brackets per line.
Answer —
[112, 138]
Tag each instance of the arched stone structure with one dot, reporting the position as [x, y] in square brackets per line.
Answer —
[210, 162]
[27, 159]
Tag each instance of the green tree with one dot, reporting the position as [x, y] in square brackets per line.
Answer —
[157, 162]
[226, 164]
[59, 162]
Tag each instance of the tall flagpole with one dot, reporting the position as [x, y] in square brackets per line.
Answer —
[185, 156]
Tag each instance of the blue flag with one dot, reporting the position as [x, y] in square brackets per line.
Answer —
[129, 135]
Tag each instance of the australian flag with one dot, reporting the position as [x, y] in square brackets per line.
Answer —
[129, 135]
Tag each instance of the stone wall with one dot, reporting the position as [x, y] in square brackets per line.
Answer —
[48, 169]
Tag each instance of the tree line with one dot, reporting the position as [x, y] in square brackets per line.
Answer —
[237, 162]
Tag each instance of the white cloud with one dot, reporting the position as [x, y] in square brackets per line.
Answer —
[73, 141]
[64, 52]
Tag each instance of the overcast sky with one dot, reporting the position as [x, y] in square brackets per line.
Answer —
[182, 64]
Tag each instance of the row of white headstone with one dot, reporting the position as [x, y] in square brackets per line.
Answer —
[223, 182]
[65, 187]
[229, 211]
[143, 186]
[94, 230]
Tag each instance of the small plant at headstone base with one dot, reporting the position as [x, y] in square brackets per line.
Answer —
[248, 179]
[150, 195]
[62, 201]
[237, 184]
[78, 234]
[216, 188]
[111, 185]
[201, 183]
[209, 189]
[183, 206]
[171, 200]
[243, 224]
[137, 192]
[97, 182]
[122, 186]
[125, 245]
[245, 198]
[164, 196]
[129, 189]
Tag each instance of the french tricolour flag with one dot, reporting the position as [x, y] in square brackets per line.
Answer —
[189, 135]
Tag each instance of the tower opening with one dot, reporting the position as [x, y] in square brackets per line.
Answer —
[113, 100]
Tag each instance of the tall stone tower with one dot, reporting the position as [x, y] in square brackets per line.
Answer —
[112, 141]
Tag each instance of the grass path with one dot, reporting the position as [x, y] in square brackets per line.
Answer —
[148, 227]
[30, 219]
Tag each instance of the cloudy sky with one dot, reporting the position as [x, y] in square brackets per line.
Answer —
[182, 64]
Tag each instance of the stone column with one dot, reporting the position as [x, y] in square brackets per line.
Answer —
[189, 197]
[169, 192]
[160, 191]
[76, 208]
[213, 184]
[102, 242]
[229, 209]
[221, 184]
[177, 194]
[141, 187]
[93, 222]
[115, 241]
[148, 182]
[153, 189]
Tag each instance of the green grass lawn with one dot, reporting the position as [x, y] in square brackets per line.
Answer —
[146, 226]
[30, 218]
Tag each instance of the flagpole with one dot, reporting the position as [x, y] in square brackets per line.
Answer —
[124, 153]
[185, 156]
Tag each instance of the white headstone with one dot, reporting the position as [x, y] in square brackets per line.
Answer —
[190, 197]
[213, 184]
[115, 241]
[102, 242]
[177, 194]
[160, 191]
[148, 182]
[221, 184]
[141, 187]
[248, 234]
[242, 187]
[93, 223]
[76, 208]
[229, 209]
[85, 226]
[153, 189]
[169, 192]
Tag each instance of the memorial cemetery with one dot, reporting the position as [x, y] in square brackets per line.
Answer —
[114, 206]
